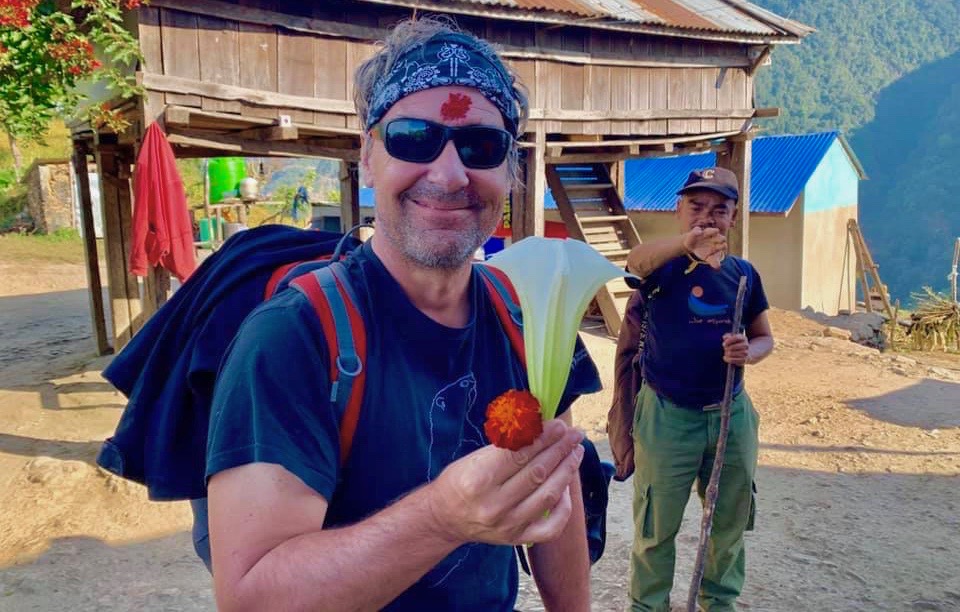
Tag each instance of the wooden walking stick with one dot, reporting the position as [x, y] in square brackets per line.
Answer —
[713, 487]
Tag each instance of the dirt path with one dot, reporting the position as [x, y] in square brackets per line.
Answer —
[859, 480]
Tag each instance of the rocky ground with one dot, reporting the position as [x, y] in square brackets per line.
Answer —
[859, 477]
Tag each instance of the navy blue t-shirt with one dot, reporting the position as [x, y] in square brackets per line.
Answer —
[424, 402]
[689, 311]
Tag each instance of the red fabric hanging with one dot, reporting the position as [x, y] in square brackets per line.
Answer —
[162, 231]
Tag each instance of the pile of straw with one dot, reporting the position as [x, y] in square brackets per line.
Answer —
[935, 324]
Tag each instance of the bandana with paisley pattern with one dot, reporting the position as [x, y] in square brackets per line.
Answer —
[448, 59]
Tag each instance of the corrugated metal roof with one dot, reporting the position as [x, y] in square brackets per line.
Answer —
[626, 10]
[717, 16]
[782, 165]
[577, 7]
[726, 18]
[677, 13]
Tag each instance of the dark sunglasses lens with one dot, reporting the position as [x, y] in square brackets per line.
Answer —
[413, 140]
[481, 147]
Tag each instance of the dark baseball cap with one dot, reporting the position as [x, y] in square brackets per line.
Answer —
[721, 180]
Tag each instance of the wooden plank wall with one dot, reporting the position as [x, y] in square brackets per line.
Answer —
[596, 79]
[677, 74]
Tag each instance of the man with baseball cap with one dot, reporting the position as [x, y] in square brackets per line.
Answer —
[423, 514]
[667, 434]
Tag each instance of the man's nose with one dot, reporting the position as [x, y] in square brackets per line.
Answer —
[448, 171]
[705, 218]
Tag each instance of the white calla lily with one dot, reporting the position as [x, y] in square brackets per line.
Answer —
[555, 280]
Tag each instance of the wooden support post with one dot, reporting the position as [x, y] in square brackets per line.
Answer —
[618, 174]
[536, 185]
[738, 159]
[92, 260]
[124, 289]
[349, 195]
[156, 288]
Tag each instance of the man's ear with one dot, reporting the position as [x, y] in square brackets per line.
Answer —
[736, 209]
[366, 147]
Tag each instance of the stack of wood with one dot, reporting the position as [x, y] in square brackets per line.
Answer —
[935, 324]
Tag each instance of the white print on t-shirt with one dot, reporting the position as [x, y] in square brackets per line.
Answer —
[461, 392]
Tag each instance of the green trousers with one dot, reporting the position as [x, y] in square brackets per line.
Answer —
[673, 448]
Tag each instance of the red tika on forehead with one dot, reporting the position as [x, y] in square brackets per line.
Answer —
[456, 106]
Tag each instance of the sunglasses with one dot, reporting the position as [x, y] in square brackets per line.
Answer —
[419, 141]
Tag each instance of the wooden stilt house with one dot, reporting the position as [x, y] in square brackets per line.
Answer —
[608, 80]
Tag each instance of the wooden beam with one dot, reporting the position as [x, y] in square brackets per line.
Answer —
[184, 116]
[180, 85]
[270, 133]
[635, 151]
[769, 111]
[663, 141]
[255, 148]
[548, 114]
[509, 53]
[587, 158]
[761, 58]
[177, 116]
[91, 258]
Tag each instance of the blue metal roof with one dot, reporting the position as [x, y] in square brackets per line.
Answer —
[782, 165]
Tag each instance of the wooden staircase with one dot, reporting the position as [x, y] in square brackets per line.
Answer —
[593, 212]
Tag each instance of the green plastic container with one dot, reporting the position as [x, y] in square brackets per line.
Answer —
[206, 232]
[225, 175]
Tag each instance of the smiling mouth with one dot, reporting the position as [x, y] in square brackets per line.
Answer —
[440, 207]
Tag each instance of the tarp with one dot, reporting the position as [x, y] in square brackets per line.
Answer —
[162, 231]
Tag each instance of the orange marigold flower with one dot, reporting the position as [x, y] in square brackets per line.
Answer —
[513, 420]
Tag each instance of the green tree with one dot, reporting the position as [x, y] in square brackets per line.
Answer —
[831, 80]
[47, 50]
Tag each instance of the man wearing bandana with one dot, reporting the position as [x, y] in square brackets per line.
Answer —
[423, 514]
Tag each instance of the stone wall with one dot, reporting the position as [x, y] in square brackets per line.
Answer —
[50, 196]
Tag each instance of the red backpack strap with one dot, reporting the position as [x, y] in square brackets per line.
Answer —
[329, 292]
[280, 273]
[507, 305]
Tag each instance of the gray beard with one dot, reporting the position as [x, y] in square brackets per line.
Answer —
[428, 254]
[443, 257]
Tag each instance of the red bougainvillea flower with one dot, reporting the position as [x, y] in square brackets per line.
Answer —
[16, 13]
[513, 420]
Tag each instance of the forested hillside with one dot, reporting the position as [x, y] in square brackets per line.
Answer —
[887, 73]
